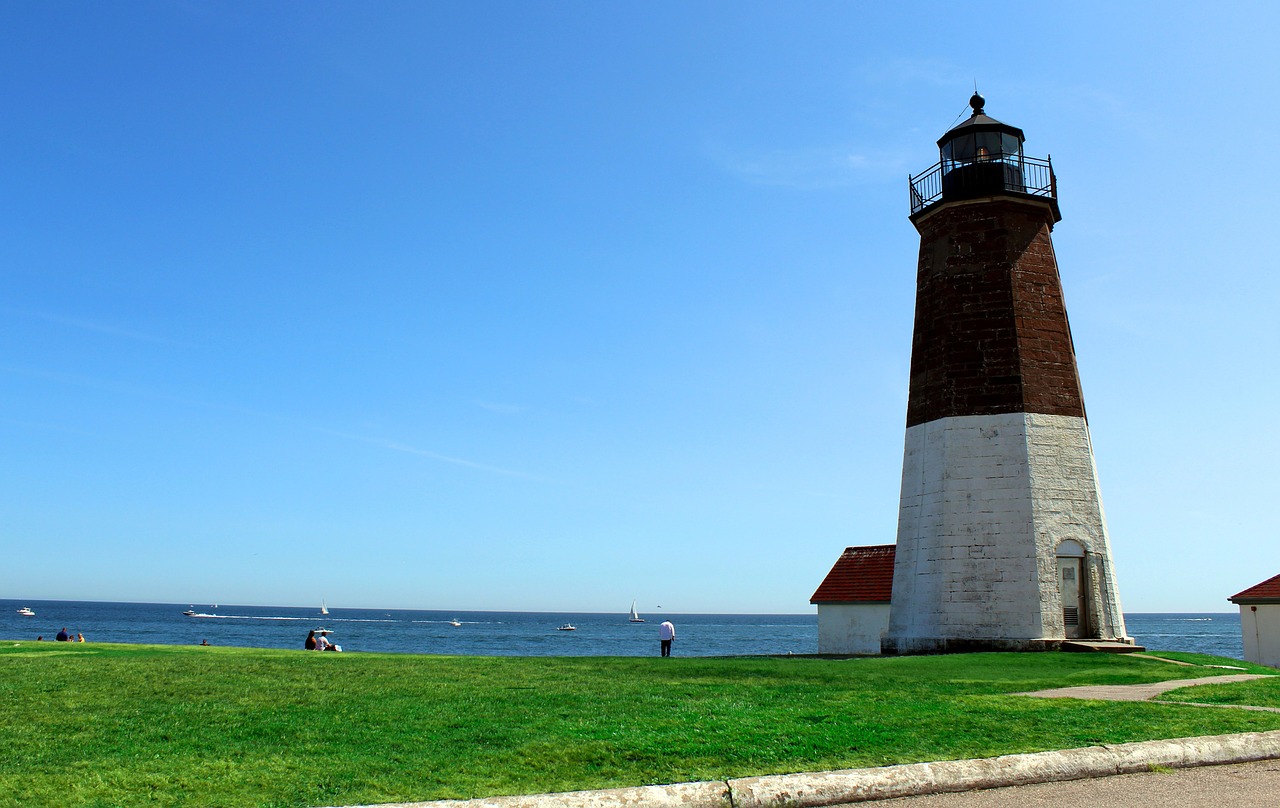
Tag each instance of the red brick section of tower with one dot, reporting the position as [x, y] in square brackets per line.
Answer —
[991, 332]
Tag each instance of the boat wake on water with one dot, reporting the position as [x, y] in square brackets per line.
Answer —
[332, 619]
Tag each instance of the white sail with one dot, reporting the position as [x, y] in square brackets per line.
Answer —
[324, 609]
[635, 616]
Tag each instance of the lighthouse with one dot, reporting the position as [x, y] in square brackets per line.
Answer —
[1002, 542]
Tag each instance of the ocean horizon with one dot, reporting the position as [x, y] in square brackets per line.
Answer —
[504, 633]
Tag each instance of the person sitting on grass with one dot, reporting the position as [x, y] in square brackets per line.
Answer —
[63, 636]
[322, 642]
[310, 644]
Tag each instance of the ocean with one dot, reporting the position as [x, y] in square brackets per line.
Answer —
[505, 633]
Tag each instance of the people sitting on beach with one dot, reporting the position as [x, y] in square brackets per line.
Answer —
[322, 642]
[310, 644]
[63, 636]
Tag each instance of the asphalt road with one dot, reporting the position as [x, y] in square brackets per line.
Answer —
[1239, 785]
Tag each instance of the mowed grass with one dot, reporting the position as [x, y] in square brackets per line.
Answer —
[1258, 693]
[101, 724]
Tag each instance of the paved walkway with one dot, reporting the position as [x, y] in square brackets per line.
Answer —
[1150, 690]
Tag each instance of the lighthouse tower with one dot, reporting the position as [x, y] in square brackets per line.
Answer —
[1002, 543]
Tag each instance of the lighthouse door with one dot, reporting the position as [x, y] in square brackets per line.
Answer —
[1069, 588]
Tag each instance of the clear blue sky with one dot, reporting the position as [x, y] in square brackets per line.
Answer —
[549, 306]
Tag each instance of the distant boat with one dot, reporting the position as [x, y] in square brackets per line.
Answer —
[190, 613]
[323, 608]
[568, 627]
[635, 616]
[454, 622]
[26, 612]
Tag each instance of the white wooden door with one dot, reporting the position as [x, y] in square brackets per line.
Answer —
[1069, 588]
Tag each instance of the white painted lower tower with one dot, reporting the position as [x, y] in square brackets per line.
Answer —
[1002, 540]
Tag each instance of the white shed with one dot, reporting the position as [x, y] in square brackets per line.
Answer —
[1260, 621]
[853, 601]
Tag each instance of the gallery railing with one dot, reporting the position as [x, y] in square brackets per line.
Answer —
[950, 179]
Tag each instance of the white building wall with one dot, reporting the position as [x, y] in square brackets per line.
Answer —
[1259, 629]
[851, 628]
[985, 502]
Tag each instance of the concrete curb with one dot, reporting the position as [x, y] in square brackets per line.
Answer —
[810, 790]
[911, 780]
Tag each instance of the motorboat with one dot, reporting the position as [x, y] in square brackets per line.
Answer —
[635, 616]
[568, 627]
[189, 613]
[455, 622]
[26, 612]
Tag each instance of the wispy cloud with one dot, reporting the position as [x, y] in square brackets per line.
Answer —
[396, 446]
[894, 72]
[813, 168]
[43, 426]
[443, 458]
[501, 409]
[91, 325]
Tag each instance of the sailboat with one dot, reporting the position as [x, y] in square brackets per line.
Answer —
[635, 616]
[323, 608]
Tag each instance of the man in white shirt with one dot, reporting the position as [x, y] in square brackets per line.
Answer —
[666, 633]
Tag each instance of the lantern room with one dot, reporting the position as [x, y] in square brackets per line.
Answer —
[983, 157]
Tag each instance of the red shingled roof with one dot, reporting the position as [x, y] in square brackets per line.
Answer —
[1266, 592]
[860, 575]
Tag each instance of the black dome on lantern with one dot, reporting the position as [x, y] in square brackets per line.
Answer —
[980, 123]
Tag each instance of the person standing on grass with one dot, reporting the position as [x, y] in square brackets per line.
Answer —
[666, 633]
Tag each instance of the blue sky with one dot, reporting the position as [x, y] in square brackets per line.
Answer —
[549, 306]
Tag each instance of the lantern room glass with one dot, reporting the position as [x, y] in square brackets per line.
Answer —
[982, 147]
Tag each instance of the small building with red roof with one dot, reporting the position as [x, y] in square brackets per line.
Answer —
[1259, 621]
[853, 601]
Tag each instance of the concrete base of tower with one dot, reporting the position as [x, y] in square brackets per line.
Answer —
[1126, 646]
[956, 645]
[965, 645]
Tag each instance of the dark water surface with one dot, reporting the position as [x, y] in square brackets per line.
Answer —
[417, 632]
[1217, 634]
[505, 633]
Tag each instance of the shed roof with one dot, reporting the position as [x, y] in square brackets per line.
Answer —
[860, 575]
[1266, 592]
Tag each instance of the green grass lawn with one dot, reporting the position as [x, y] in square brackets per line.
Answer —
[101, 724]
[1259, 693]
